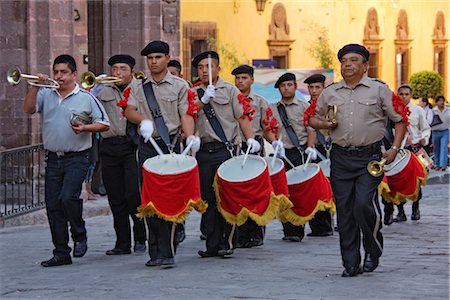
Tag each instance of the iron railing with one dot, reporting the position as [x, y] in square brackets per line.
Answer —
[21, 180]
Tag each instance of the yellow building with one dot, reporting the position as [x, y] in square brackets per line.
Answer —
[404, 37]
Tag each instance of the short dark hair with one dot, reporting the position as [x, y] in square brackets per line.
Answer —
[439, 97]
[404, 86]
[66, 59]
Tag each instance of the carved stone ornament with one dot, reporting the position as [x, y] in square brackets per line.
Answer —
[170, 19]
[279, 28]
[371, 30]
[170, 1]
[439, 26]
[402, 25]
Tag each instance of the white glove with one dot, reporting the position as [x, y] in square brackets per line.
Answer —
[253, 145]
[280, 153]
[312, 151]
[210, 92]
[146, 130]
[195, 142]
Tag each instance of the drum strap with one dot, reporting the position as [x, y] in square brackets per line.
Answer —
[290, 131]
[157, 116]
[215, 124]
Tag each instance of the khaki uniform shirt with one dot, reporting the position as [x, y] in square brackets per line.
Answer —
[259, 104]
[228, 111]
[361, 112]
[294, 112]
[109, 97]
[171, 95]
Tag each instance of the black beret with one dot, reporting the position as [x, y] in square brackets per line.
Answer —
[122, 58]
[155, 47]
[315, 78]
[354, 48]
[243, 69]
[285, 77]
[174, 63]
[204, 55]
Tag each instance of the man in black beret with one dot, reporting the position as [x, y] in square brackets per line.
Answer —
[174, 68]
[159, 105]
[321, 224]
[363, 106]
[250, 234]
[298, 141]
[118, 155]
[221, 118]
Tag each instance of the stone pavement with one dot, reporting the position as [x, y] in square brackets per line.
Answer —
[415, 264]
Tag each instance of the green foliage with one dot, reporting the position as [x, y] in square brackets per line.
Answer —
[320, 49]
[229, 58]
[426, 84]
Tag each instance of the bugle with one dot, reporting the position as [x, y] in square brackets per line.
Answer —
[88, 80]
[140, 75]
[14, 76]
[377, 168]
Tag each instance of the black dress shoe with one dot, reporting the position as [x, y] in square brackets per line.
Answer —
[292, 238]
[118, 251]
[57, 261]
[225, 252]
[79, 249]
[243, 244]
[321, 234]
[370, 263]
[400, 218]
[351, 272]
[257, 242]
[154, 263]
[388, 219]
[167, 261]
[415, 216]
[206, 254]
[139, 247]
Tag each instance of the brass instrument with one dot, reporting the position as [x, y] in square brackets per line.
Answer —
[14, 76]
[331, 113]
[376, 169]
[140, 75]
[88, 80]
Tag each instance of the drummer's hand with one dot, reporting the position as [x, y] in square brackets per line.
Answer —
[311, 151]
[280, 153]
[195, 142]
[390, 155]
[210, 92]
[253, 145]
[146, 129]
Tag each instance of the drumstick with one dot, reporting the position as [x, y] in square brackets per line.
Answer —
[245, 156]
[155, 145]
[209, 69]
[289, 162]
[188, 147]
[307, 161]
[272, 163]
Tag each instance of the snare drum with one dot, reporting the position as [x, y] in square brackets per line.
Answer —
[404, 180]
[309, 192]
[170, 187]
[245, 191]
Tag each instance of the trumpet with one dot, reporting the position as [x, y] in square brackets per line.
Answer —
[14, 76]
[88, 80]
[140, 75]
[331, 113]
[376, 168]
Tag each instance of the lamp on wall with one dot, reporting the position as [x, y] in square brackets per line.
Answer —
[260, 5]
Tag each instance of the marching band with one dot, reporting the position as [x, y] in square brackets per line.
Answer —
[169, 147]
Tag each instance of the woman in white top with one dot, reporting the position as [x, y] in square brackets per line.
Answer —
[440, 134]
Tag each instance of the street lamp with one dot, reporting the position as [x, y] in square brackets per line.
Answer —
[260, 5]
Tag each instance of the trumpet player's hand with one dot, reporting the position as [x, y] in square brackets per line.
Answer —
[78, 127]
[390, 155]
[42, 78]
[329, 125]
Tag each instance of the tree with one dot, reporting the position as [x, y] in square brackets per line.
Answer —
[426, 84]
[320, 49]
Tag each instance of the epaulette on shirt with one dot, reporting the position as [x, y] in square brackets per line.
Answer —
[379, 80]
[330, 84]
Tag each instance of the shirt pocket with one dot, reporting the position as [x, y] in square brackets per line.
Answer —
[222, 107]
[169, 105]
[367, 108]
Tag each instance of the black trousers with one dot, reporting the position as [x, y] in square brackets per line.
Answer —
[389, 207]
[162, 242]
[219, 234]
[356, 195]
[64, 178]
[120, 177]
[297, 159]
